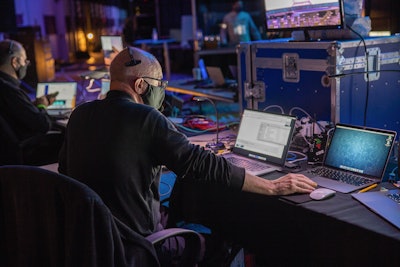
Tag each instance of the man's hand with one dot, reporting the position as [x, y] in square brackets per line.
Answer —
[46, 100]
[52, 97]
[41, 101]
[285, 185]
[293, 183]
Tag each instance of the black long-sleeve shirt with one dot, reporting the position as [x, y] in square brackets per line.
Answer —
[16, 108]
[118, 147]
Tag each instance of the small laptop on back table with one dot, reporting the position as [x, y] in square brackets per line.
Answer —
[355, 158]
[262, 142]
[65, 100]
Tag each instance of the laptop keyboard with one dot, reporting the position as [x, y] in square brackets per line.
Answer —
[395, 197]
[341, 176]
[248, 165]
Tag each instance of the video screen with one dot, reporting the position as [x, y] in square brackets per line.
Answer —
[111, 46]
[301, 14]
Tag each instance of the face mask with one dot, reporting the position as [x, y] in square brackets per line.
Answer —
[154, 96]
[21, 72]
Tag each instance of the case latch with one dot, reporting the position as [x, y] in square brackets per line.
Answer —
[373, 64]
[255, 90]
[290, 67]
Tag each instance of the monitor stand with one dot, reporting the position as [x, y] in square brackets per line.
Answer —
[302, 36]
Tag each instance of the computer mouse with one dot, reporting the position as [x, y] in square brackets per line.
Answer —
[322, 193]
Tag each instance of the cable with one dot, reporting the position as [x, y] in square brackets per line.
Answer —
[294, 108]
[359, 72]
[304, 156]
[168, 191]
[392, 174]
[92, 90]
[294, 156]
[274, 106]
[367, 74]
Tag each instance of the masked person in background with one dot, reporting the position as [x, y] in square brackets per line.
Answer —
[118, 145]
[239, 25]
[27, 121]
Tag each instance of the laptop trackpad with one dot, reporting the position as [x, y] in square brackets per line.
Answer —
[332, 184]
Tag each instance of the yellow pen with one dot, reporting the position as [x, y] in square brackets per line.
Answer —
[368, 188]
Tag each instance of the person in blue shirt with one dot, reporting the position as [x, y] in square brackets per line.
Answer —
[238, 26]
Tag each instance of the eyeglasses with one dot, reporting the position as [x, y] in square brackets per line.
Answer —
[162, 83]
[27, 61]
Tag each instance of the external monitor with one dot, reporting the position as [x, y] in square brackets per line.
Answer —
[296, 15]
[111, 45]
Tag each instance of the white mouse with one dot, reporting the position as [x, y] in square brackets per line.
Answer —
[322, 193]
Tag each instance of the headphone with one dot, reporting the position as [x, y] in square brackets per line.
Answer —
[10, 48]
[133, 61]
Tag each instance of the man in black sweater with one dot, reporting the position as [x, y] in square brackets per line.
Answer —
[118, 146]
[27, 121]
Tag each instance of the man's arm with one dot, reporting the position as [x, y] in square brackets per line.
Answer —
[254, 32]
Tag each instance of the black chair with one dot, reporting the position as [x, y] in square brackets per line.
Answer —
[49, 219]
[38, 150]
[10, 149]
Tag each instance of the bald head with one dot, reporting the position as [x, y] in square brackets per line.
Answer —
[137, 73]
[9, 49]
[133, 63]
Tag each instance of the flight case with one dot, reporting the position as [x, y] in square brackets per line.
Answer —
[325, 80]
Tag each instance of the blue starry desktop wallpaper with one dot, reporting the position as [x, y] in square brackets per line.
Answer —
[360, 151]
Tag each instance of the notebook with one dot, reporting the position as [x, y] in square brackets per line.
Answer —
[358, 153]
[263, 140]
[65, 100]
[217, 77]
[384, 203]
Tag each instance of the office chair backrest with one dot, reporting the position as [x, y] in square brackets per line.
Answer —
[10, 150]
[48, 219]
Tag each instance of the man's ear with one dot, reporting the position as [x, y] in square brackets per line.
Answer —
[14, 62]
[140, 86]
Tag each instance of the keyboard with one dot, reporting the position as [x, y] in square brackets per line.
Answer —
[395, 197]
[247, 164]
[341, 176]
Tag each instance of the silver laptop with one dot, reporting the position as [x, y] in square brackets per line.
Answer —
[262, 142]
[386, 204]
[356, 158]
[65, 100]
[217, 77]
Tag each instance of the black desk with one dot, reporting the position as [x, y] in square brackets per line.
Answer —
[335, 232]
[338, 231]
[221, 94]
[214, 52]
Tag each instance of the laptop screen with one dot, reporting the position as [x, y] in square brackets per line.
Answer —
[66, 93]
[265, 136]
[111, 46]
[359, 149]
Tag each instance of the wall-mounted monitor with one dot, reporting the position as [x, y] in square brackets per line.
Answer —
[293, 15]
